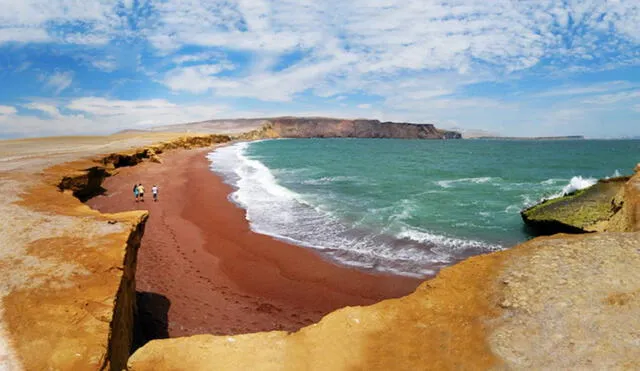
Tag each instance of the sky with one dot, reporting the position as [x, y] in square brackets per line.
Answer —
[517, 68]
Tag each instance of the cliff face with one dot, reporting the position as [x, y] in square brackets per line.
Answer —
[333, 128]
[562, 302]
[68, 289]
[314, 127]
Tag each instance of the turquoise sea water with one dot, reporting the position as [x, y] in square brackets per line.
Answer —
[408, 206]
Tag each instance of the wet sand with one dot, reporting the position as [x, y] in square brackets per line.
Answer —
[202, 270]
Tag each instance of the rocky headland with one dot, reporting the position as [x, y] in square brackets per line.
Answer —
[68, 293]
[314, 127]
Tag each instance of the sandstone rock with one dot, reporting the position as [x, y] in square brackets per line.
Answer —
[457, 321]
[68, 287]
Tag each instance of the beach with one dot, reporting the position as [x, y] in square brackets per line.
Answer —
[201, 269]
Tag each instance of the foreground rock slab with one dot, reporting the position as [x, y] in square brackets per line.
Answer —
[562, 302]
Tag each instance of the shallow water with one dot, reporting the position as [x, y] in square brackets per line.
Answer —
[408, 206]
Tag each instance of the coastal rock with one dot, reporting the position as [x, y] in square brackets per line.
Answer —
[586, 210]
[293, 127]
[315, 127]
[68, 288]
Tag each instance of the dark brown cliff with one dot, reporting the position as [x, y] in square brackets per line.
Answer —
[313, 127]
[294, 127]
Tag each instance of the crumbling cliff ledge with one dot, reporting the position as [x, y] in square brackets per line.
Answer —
[561, 302]
[68, 289]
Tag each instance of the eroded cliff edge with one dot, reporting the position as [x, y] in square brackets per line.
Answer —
[68, 288]
[559, 302]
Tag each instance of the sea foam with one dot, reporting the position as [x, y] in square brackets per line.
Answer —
[275, 210]
[450, 183]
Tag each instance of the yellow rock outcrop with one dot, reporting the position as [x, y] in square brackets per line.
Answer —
[68, 288]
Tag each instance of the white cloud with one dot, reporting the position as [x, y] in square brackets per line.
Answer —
[586, 90]
[60, 81]
[108, 65]
[200, 57]
[136, 112]
[392, 36]
[7, 110]
[364, 106]
[264, 85]
[416, 56]
[195, 79]
[607, 99]
[101, 116]
[23, 35]
[23, 66]
[49, 109]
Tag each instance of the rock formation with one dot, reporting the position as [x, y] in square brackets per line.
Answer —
[315, 127]
[293, 127]
[586, 210]
[68, 287]
[562, 302]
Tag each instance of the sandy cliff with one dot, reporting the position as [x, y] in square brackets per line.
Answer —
[68, 287]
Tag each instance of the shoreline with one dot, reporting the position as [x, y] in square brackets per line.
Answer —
[202, 270]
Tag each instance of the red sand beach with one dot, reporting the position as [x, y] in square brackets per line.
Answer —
[202, 266]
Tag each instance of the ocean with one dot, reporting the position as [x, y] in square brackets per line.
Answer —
[408, 207]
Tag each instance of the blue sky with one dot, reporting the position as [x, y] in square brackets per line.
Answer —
[508, 67]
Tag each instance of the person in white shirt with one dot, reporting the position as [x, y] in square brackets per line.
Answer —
[154, 191]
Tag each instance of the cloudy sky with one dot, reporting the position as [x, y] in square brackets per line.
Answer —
[537, 67]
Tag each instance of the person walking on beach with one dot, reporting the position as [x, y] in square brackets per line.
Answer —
[154, 192]
[135, 191]
[141, 192]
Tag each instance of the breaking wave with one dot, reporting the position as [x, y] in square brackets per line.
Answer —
[277, 211]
